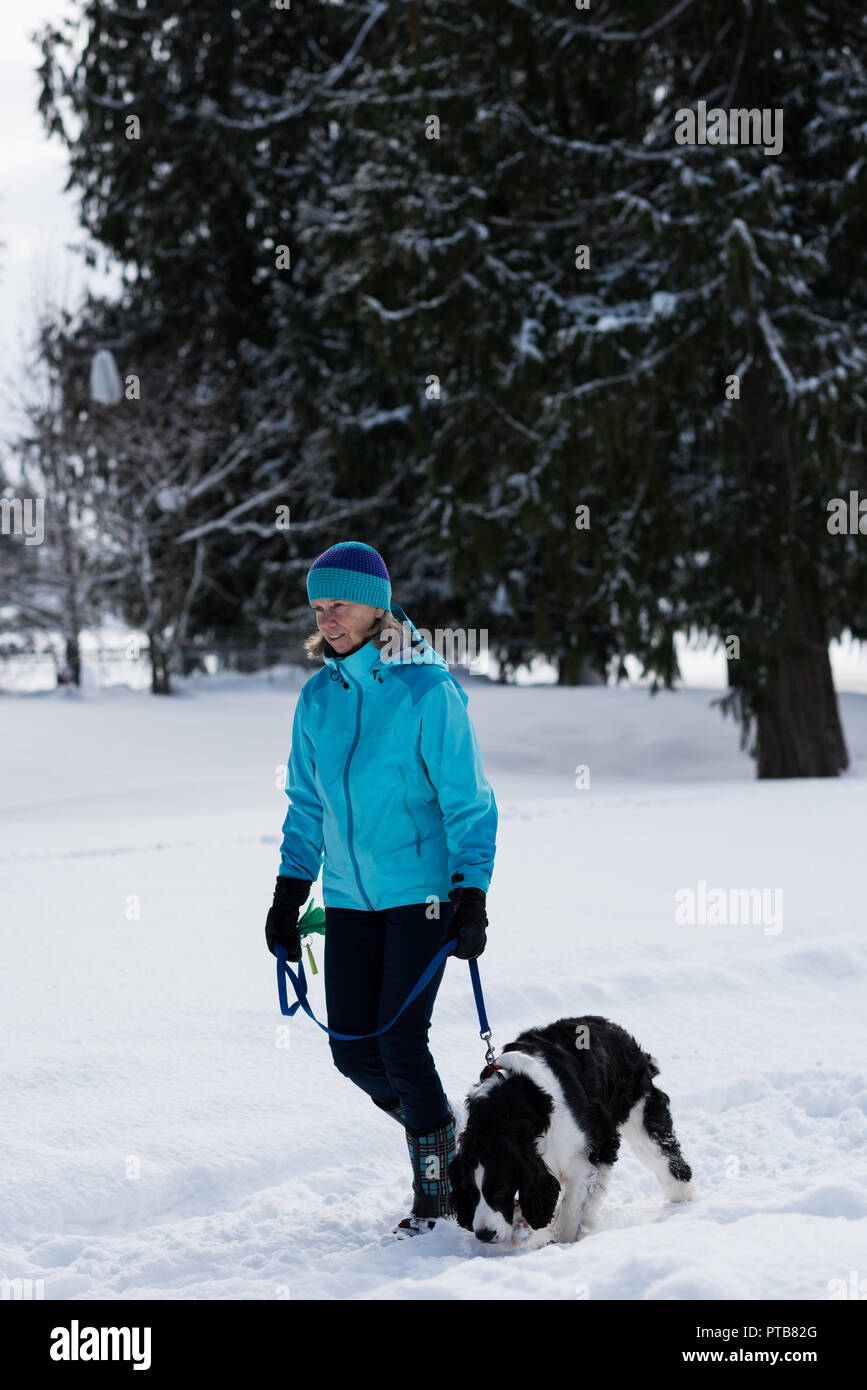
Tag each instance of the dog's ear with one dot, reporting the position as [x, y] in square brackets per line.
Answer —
[538, 1191]
[462, 1199]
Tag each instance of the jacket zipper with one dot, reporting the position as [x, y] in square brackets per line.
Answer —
[410, 814]
[349, 820]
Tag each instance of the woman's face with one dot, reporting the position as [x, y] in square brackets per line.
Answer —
[345, 625]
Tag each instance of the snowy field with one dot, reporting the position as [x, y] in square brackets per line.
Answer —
[160, 1143]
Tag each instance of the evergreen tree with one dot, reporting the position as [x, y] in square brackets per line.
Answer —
[754, 261]
[449, 254]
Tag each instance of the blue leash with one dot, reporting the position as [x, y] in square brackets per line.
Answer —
[299, 984]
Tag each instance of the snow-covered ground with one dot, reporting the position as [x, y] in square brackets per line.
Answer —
[159, 1142]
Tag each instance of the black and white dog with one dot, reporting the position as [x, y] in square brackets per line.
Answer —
[546, 1126]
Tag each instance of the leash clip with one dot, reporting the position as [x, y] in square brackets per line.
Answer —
[491, 1068]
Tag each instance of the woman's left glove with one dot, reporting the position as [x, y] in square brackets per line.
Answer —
[469, 921]
[281, 925]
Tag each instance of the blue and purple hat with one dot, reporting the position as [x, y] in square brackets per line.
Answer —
[350, 570]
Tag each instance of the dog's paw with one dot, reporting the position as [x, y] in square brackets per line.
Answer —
[521, 1230]
[524, 1234]
[685, 1192]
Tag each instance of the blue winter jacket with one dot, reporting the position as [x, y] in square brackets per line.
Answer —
[385, 778]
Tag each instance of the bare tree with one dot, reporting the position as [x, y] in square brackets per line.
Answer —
[51, 581]
[165, 459]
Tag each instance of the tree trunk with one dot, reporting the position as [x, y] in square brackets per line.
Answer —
[73, 660]
[160, 678]
[799, 733]
[786, 671]
[576, 668]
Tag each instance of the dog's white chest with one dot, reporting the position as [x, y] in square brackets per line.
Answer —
[564, 1143]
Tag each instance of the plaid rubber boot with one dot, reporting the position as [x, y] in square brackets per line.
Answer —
[430, 1153]
[395, 1111]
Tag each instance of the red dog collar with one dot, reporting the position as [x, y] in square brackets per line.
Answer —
[491, 1068]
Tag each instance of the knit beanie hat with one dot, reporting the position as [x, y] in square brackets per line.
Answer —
[350, 570]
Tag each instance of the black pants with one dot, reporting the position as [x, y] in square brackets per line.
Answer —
[372, 961]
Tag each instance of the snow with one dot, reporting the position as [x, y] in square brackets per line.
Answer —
[376, 418]
[663, 303]
[525, 345]
[161, 1143]
[500, 602]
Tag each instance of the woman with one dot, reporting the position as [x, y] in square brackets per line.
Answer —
[385, 780]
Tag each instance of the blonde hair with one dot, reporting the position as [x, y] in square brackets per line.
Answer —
[380, 631]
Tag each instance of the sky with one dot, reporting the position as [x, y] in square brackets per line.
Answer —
[37, 219]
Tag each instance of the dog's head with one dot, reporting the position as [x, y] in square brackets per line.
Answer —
[498, 1161]
[485, 1187]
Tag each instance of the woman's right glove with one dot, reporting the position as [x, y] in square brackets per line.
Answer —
[281, 924]
[469, 921]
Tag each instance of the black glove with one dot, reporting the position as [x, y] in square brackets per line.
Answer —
[281, 925]
[468, 922]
